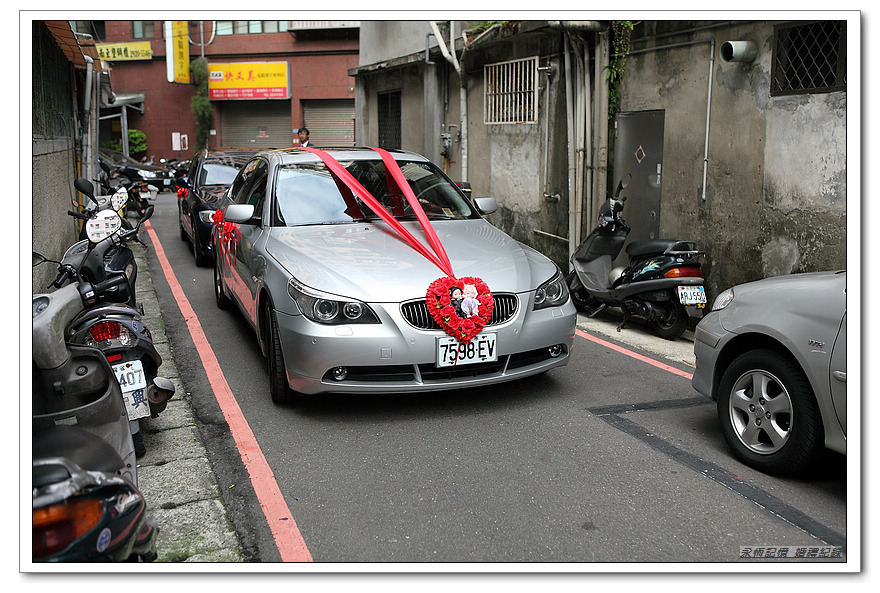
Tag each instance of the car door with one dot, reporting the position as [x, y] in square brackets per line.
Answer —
[249, 262]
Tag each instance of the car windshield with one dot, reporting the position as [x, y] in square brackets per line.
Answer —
[308, 194]
[217, 174]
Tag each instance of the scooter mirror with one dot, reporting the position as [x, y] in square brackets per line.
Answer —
[119, 198]
[104, 224]
[622, 184]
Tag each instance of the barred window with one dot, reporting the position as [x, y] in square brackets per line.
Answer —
[389, 120]
[511, 92]
[809, 57]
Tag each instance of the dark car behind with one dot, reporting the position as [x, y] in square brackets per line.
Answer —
[209, 174]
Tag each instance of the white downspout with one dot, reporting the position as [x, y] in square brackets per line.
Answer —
[450, 57]
[708, 111]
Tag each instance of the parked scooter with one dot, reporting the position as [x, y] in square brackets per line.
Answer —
[115, 326]
[662, 282]
[86, 505]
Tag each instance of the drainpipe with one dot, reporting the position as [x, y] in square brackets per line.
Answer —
[708, 110]
[462, 91]
[569, 114]
[89, 129]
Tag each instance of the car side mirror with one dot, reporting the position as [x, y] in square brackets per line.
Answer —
[240, 213]
[486, 205]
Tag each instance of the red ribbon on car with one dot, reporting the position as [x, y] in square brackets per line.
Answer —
[439, 257]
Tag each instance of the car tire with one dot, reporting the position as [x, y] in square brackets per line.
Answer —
[220, 297]
[201, 258]
[671, 321]
[778, 429]
[281, 392]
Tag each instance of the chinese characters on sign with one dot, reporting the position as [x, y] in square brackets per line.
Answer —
[181, 51]
[116, 52]
[802, 552]
[249, 80]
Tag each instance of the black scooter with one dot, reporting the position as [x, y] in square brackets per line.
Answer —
[662, 283]
[86, 504]
[115, 326]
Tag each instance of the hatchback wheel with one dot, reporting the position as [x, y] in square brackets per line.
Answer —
[768, 413]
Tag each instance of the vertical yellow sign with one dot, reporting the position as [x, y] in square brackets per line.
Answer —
[180, 34]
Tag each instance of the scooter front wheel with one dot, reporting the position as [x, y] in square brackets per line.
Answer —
[671, 320]
[583, 302]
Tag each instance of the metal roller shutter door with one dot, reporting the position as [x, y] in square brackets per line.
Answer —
[330, 123]
[255, 124]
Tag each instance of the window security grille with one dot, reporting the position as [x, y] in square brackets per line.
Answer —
[389, 120]
[809, 58]
[511, 92]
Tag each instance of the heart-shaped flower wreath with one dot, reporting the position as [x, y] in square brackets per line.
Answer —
[461, 306]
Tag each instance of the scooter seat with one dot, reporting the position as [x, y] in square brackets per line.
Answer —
[656, 247]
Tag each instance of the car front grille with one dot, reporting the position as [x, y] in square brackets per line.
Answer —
[416, 312]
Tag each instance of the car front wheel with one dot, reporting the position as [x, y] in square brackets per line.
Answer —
[278, 387]
[768, 413]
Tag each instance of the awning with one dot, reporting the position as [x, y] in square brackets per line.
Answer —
[75, 48]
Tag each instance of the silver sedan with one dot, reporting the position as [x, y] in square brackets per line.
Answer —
[338, 295]
[772, 353]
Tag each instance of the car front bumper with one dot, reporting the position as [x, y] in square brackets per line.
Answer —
[393, 356]
[707, 348]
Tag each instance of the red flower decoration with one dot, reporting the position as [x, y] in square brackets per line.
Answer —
[461, 306]
[227, 236]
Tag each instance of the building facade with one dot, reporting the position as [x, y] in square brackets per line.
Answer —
[721, 152]
[267, 80]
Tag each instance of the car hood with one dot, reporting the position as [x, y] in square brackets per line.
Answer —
[785, 302]
[369, 262]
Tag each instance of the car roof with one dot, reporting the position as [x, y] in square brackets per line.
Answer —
[240, 155]
[344, 153]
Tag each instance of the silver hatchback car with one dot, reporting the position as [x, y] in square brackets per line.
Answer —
[338, 295]
[772, 353]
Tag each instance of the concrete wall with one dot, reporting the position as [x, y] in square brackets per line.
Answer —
[53, 172]
[775, 190]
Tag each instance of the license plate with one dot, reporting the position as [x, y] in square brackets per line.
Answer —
[133, 382]
[692, 295]
[451, 352]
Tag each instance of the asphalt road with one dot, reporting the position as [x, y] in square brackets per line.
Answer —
[608, 460]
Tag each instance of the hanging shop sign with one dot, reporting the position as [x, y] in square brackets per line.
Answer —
[249, 80]
[120, 52]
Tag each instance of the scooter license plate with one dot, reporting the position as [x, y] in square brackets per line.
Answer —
[451, 352]
[133, 382]
[692, 295]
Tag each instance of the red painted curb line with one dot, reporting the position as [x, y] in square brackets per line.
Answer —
[287, 536]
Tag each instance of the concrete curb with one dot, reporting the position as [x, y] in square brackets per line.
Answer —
[175, 476]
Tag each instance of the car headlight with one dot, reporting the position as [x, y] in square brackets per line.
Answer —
[329, 309]
[552, 293]
[207, 216]
[723, 299]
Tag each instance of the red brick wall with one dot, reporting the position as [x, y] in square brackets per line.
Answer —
[318, 70]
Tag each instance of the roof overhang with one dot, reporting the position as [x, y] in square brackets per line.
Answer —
[75, 48]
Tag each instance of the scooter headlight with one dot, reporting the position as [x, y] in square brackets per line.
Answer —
[552, 293]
